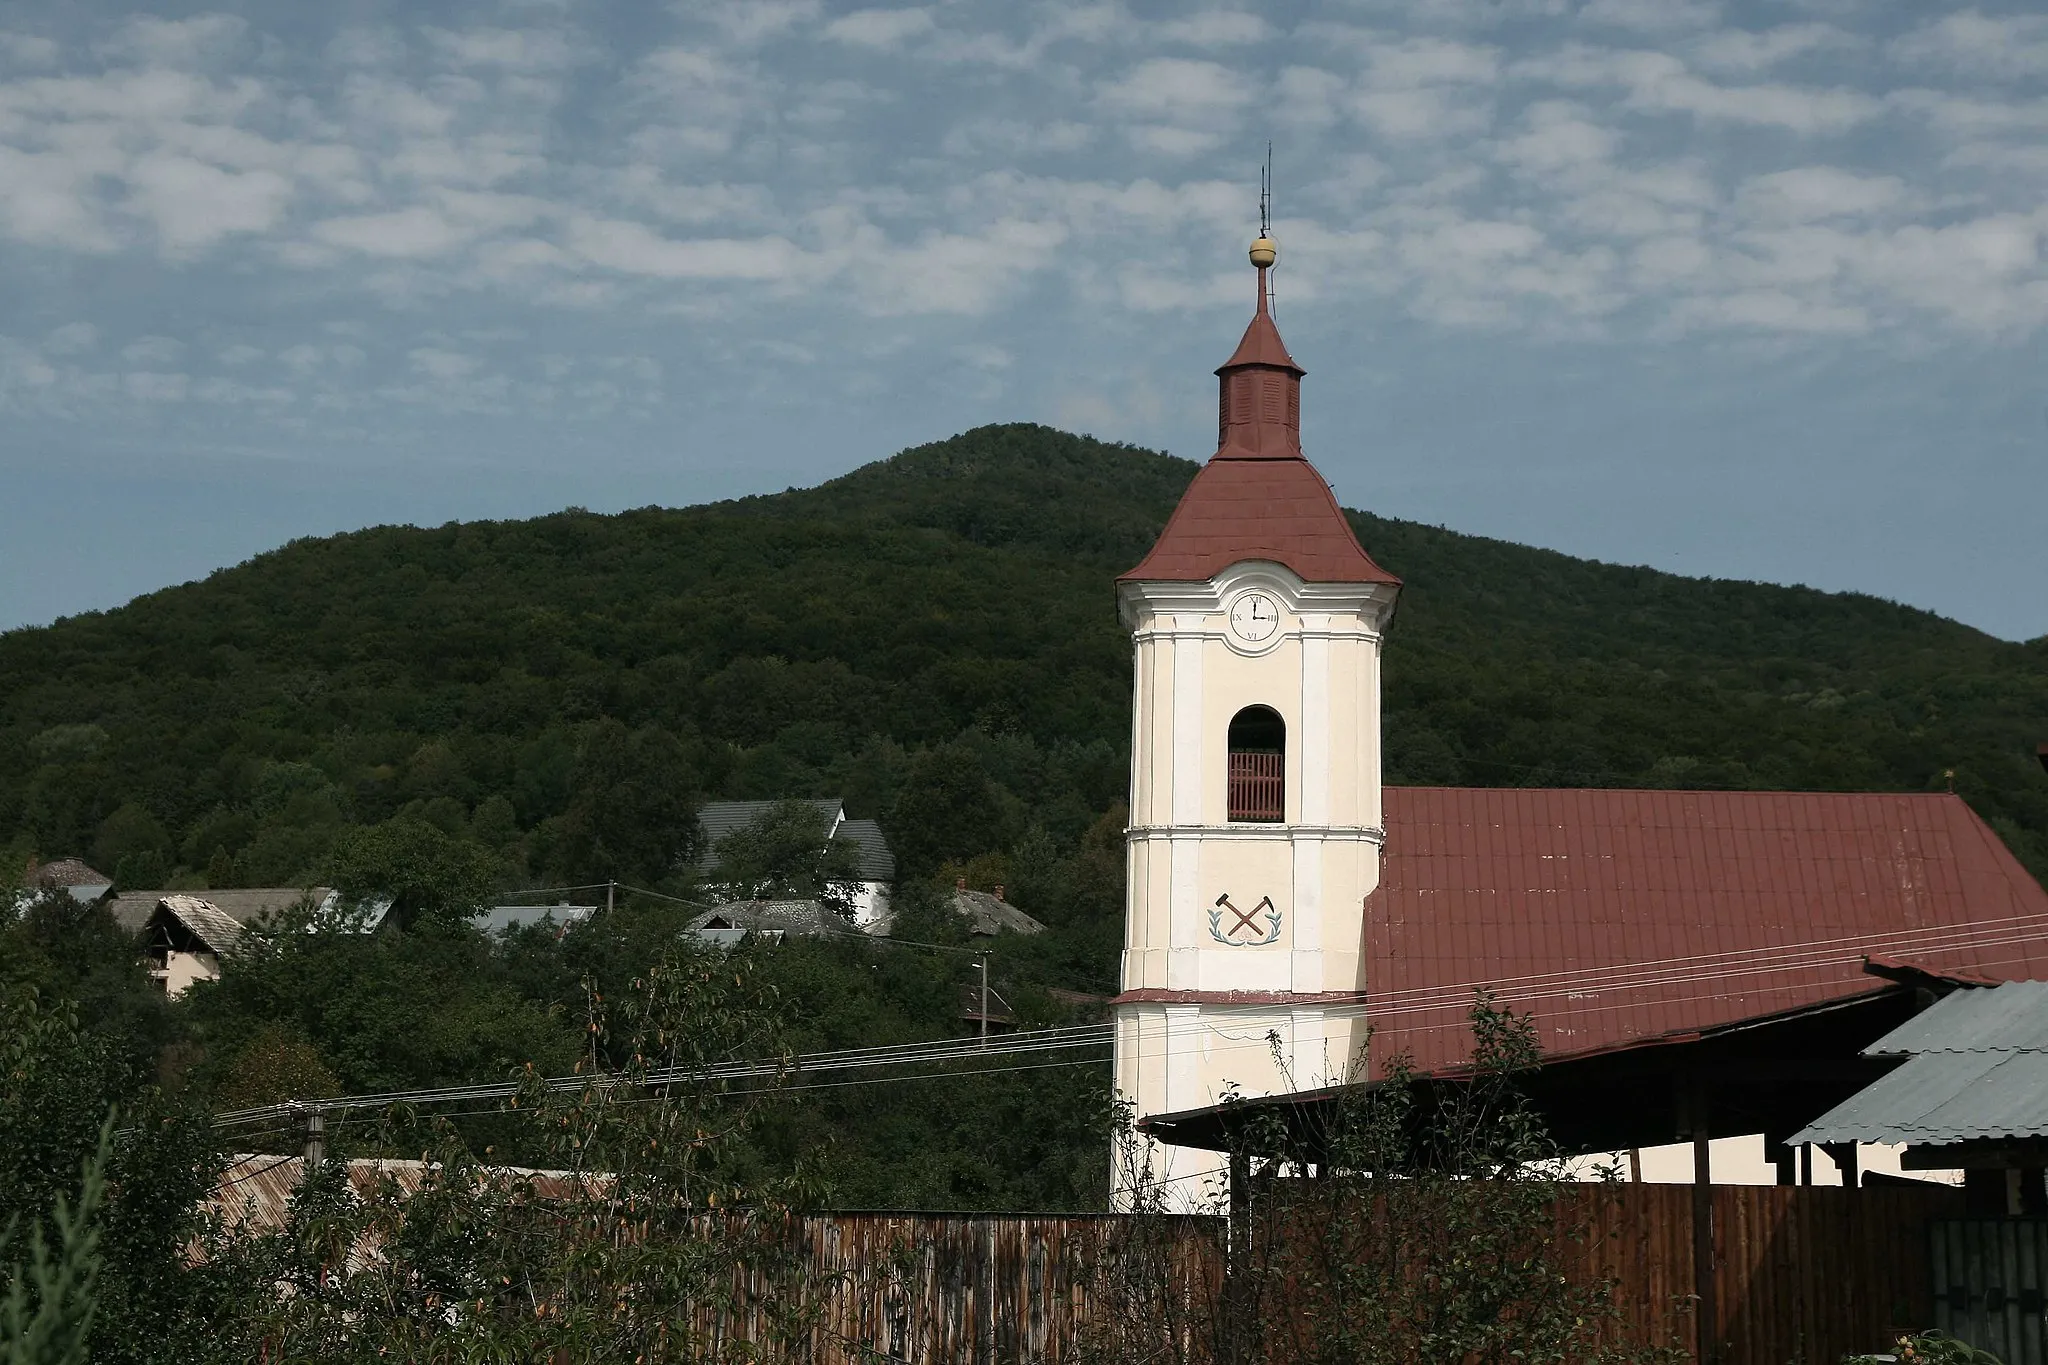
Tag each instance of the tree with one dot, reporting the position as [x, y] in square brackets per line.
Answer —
[648, 1238]
[424, 872]
[632, 814]
[131, 836]
[115, 1265]
[946, 809]
[46, 1316]
[786, 853]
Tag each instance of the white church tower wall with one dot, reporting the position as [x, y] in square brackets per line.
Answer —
[1256, 615]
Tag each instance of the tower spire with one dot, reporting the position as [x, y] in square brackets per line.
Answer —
[1259, 398]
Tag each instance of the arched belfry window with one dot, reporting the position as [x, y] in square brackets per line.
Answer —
[1258, 765]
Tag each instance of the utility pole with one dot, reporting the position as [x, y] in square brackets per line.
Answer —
[984, 999]
[316, 1140]
[609, 888]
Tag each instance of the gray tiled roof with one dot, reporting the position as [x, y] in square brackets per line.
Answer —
[1976, 1068]
[877, 863]
[720, 818]
[987, 915]
[70, 872]
[798, 919]
[245, 905]
[203, 919]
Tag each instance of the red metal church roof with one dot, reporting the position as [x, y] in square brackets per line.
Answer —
[1621, 916]
[1259, 498]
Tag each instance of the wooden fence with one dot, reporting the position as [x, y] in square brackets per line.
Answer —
[1803, 1275]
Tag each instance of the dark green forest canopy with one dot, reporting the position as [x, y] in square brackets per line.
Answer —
[957, 600]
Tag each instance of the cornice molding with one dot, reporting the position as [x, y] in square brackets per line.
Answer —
[1140, 603]
[1357, 834]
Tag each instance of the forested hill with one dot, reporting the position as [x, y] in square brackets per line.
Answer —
[932, 636]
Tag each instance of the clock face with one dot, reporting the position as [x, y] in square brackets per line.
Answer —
[1254, 617]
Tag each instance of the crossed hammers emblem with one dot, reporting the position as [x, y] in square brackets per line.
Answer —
[1245, 919]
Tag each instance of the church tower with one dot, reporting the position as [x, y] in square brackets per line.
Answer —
[1255, 768]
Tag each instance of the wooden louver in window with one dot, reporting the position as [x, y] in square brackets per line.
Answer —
[1257, 787]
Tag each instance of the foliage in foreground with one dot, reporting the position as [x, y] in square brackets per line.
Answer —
[1412, 1226]
[1929, 1348]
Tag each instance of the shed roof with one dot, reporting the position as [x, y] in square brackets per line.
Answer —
[1617, 917]
[1976, 1069]
[2011, 1017]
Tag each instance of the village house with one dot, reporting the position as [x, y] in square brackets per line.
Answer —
[875, 872]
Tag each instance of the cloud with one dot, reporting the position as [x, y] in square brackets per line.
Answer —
[508, 49]
[71, 338]
[28, 50]
[146, 386]
[1971, 43]
[749, 23]
[153, 350]
[1178, 88]
[1815, 193]
[1651, 16]
[1744, 52]
[193, 204]
[418, 231]
[176, 42]
[880, 29]
[1659, 83]
[1215, 28]
[635, 249]
[439, 364]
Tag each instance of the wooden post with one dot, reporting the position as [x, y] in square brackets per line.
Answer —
[1844, 1154]
[1237, 1283]
[1708, 1327]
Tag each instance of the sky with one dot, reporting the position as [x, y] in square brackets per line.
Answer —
[1739, 290]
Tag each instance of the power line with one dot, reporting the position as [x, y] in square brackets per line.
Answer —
[1623, 979]
[894, 1054]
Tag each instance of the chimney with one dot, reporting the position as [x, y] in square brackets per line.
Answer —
[959, 883]
[999, 890]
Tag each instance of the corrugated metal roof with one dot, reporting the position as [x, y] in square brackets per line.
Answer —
[498, 918]
[1944, 1097]
[255, 1191]
[2012, 1017]
[1619, 916]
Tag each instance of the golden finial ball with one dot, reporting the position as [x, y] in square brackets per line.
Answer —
[1264, 252]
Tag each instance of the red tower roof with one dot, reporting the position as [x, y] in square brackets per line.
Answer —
[1259, 497]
